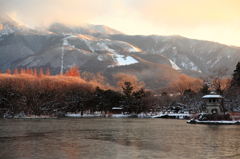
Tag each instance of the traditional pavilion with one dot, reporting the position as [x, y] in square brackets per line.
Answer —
[213, 103]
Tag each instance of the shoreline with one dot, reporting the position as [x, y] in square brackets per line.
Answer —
[211, 122]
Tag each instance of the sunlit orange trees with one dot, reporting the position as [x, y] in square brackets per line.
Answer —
[73, 71]
[186, 83]
[35, 93]
[122, 78]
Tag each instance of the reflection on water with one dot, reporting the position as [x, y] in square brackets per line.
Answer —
[120, 138]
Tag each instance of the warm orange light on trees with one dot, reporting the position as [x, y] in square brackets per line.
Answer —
[73, 71]
[186, 83]
[122, 78]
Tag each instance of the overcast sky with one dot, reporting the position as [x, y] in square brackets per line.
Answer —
[213, 20]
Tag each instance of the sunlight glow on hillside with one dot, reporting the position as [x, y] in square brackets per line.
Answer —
[215, 20]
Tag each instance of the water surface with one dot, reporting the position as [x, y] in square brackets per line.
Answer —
[116, 138]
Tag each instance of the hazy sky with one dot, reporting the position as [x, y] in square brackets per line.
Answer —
[213, 20]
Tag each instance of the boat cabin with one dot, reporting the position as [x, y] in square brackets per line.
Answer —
[213, 103]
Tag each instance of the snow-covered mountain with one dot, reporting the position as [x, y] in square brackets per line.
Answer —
[156, 60]
[187, 54]
[60, 28]
[7, 25]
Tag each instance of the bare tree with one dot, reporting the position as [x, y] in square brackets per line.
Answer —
[77, 97]
[186, 83]
[219, 80]
[11, 95]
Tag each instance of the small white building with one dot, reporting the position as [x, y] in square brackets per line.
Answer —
[213, 103]
[117, 110]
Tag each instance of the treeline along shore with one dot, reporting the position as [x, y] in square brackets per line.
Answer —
[30, 93]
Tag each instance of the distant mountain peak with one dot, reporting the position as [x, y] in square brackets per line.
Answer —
[155, 59]
[82, 29]
[7, 24]
[103, 29]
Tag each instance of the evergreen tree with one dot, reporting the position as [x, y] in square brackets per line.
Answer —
[127, 90]
[205, 89]
[236, 76]
[140, 94]
[106, 99]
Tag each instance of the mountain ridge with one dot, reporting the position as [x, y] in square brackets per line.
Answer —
[97, 48]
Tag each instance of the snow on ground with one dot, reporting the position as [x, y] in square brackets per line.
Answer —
[209, 61]
[119, 59]
[103, 47]
[174, 65]
[213, 122]
[120, 116]
[87, 39]
[218, 59]
[5, 29]
[100, 58]
[122, 60]
[212, 96]
[62, 57]
[194, 67]
[79, 115]
[72, 47]
[95, 45]
[187, 64]
[179, 115]
[66, 43]
[125, 60]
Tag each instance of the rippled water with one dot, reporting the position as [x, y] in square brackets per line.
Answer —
[116, 138]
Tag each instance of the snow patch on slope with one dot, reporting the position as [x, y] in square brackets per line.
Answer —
[174, 65]
[5, 29]
[186, 63]
[120, 60]
[66, 43]
[217, 60]
[95, 44]
[100, 58]
[125, 60]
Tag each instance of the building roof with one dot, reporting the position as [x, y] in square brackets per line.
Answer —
[212, 95]
[116, 108]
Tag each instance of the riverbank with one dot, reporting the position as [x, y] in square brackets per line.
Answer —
[141, 115]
